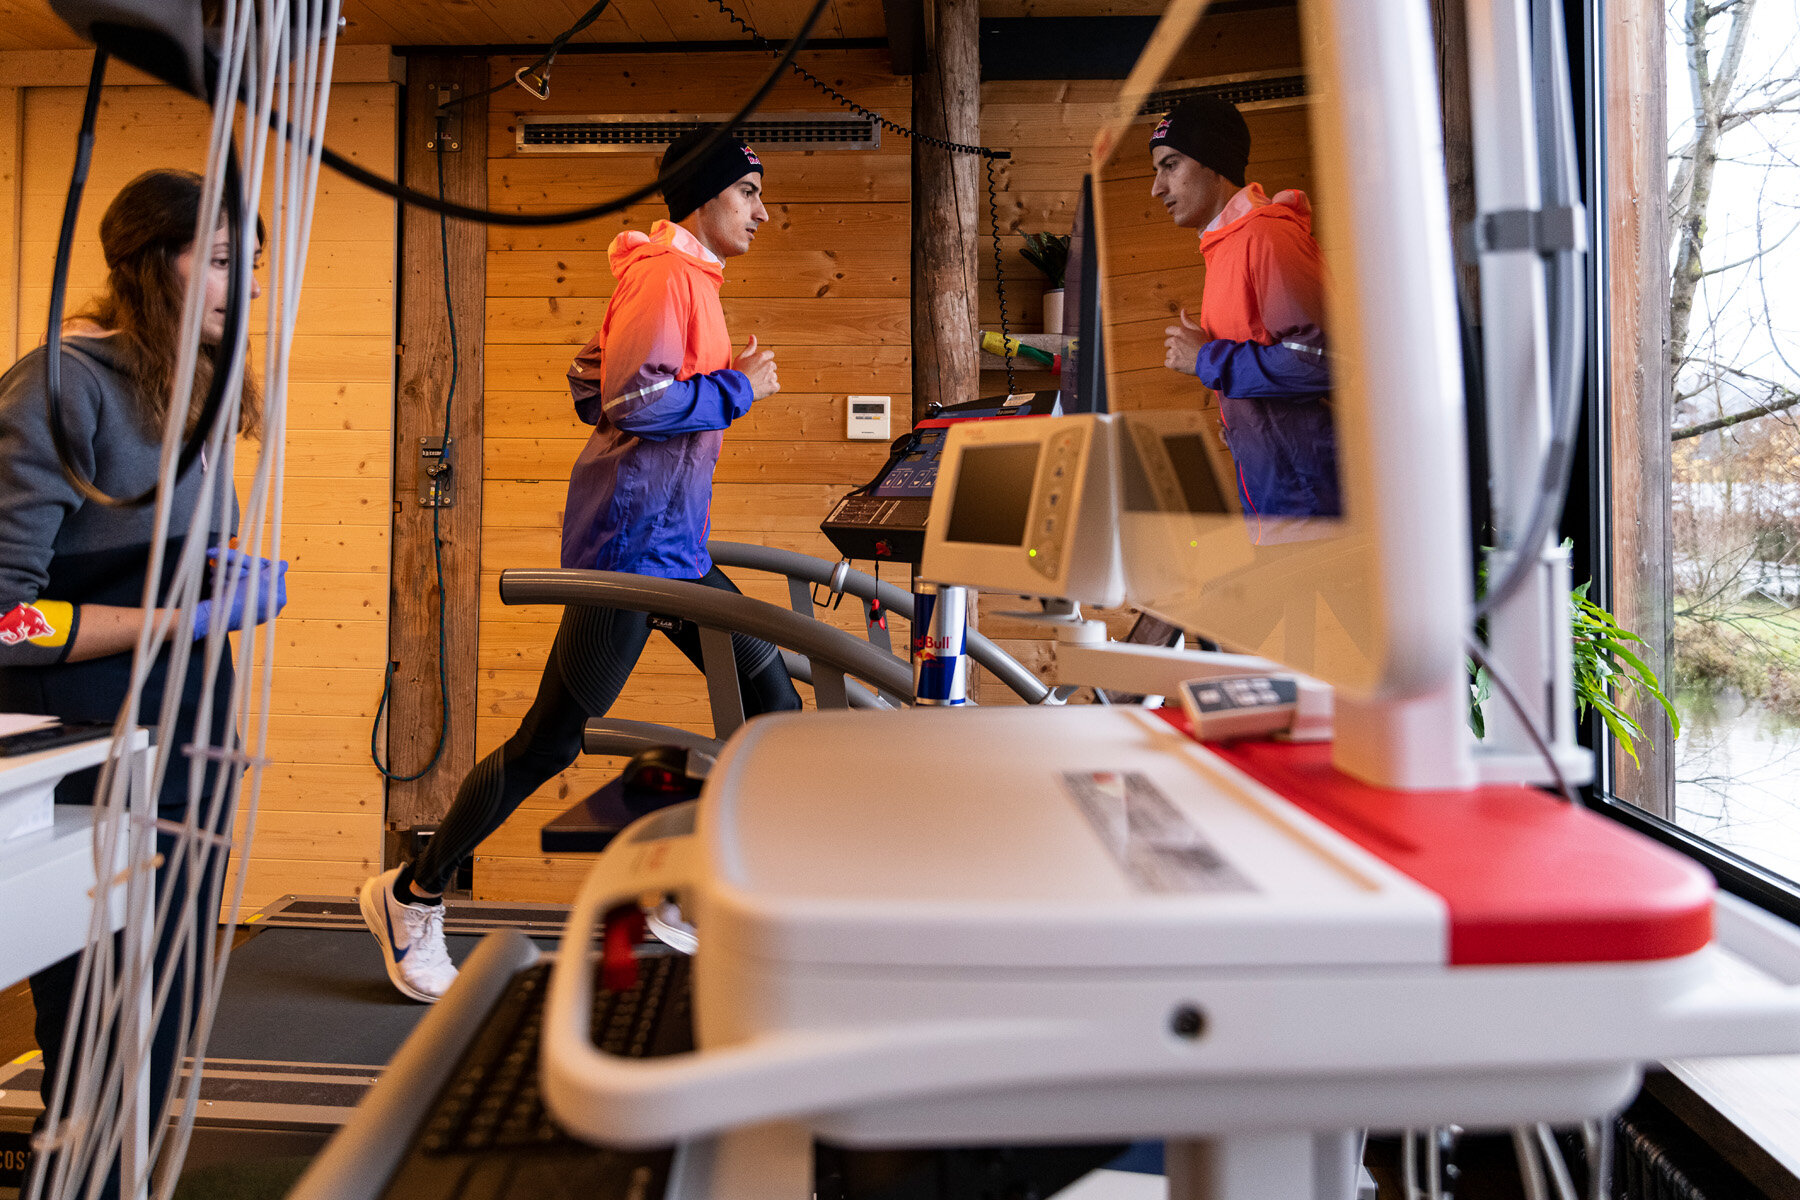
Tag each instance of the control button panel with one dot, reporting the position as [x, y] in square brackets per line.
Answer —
[1048, 529]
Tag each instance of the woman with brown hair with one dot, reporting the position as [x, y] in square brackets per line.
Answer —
[72, 570]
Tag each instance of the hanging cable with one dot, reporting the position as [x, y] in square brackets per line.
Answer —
[437, 540]
[860, 110]
[539, 71]
[1000, 276]
[1504, 686]
[988, 155]
[571, 216]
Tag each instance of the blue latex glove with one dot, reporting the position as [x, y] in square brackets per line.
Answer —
[271, 592]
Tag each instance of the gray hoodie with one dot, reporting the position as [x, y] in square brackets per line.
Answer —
[54, 545]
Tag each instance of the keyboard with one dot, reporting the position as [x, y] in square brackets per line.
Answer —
[488, 1135]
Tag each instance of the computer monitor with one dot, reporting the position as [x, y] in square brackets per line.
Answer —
[1361, 580]
[1028, 506]
[1084, 359]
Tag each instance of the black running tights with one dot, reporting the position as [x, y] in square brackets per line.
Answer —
[593, 655]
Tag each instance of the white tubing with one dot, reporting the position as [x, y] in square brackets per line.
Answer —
[283, 63]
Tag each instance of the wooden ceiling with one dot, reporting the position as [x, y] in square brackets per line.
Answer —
[31, 25]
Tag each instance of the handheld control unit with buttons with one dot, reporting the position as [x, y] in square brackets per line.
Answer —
[1225, 708]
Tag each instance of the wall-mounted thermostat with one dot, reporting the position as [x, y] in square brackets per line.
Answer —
[868, 418]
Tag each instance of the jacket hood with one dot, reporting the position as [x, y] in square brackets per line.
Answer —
[1251, 205]
[634, 247]
[109, 351]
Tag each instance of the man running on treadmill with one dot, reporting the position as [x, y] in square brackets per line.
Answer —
[659, 384]
[1260, 339]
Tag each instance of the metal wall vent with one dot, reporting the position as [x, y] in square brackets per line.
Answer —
[619, 134]
[1272, 89]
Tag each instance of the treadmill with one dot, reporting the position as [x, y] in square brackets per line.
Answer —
[884, 520]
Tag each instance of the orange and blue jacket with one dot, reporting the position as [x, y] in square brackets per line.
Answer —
[657, 386]
[1264, 306]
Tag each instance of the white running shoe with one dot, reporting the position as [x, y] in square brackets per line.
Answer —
[411, 937]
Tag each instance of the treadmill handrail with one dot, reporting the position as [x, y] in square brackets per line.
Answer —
[710, 608]
[794, 565]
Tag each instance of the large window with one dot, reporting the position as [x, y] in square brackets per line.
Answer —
[1733, 377]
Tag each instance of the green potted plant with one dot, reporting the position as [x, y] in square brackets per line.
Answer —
[1607, 669]
[1049, 253]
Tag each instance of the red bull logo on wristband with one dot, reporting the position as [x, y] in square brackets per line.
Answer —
[27, 623]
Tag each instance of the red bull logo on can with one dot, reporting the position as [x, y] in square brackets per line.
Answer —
[939, 659]
[26, 623]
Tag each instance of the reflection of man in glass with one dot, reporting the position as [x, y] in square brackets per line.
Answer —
[1260, 340]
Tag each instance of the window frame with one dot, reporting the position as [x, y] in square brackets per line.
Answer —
[1733, 873]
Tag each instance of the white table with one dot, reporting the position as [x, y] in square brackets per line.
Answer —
[48, 880]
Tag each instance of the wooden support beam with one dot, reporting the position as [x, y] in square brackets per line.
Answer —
[1635, 234]
[1450, 23]
[426, 355]
[948, 214]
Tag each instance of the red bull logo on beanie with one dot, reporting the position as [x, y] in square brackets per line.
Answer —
[31, 623]
[1161, 130]
[750, 157]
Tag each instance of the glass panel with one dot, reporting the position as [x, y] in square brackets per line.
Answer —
[1734, 321]
[1274, 279]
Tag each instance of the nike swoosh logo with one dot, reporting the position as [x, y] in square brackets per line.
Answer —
[388, 916]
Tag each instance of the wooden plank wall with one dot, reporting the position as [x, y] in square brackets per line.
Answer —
[12, 129]
[825, 286]
[320, 826]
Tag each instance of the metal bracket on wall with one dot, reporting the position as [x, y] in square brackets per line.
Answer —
[449, 120]
[436, 489]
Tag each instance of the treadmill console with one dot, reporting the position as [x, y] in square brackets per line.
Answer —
[885, 518]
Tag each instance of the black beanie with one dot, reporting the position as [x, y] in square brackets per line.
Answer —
[728, 161]
[1210, 131]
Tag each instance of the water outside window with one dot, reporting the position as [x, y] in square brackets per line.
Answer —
[1734, 307]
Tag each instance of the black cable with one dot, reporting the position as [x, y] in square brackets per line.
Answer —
[542, 63]
[194, 442]
[437, 538]
[989, 157]
[859, 109]
[999, 275]
[1477, 651]
[675, 174]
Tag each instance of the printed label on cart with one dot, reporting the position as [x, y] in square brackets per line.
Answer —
[1159, 847]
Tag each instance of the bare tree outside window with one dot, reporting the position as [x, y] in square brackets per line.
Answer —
[1734, 358]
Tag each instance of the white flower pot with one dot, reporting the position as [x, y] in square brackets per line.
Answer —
[1053, 310]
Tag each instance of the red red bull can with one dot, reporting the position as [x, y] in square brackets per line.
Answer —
[940, 661]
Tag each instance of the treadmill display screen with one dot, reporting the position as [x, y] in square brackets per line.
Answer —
[993, 494]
